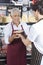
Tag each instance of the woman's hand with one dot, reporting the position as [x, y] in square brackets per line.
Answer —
[20, 36]
[16, 34]
[12, 37]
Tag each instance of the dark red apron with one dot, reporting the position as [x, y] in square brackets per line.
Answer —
[16, 52]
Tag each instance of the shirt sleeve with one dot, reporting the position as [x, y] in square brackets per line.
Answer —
[7, 33]
[32, 34]
[36, 38]
[39, 43]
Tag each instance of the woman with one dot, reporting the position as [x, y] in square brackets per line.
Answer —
[16, 51]
[36, 34]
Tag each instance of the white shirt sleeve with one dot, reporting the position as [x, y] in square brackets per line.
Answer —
[32, 34]
[36, 38]
[39, 43]
[7, 32]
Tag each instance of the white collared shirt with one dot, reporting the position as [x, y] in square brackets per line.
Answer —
[8, 30]
[36, 36]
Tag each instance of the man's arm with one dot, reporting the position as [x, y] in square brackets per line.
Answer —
[26, 41]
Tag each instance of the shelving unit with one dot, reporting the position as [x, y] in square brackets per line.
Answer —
[11, 5]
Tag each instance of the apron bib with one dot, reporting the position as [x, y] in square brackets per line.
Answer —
[16, 52]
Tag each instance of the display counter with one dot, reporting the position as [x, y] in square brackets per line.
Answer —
[3, 59]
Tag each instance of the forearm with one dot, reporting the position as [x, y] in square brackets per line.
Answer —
[26, 41]
[11, 38]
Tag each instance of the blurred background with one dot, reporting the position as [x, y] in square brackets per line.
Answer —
[26, 16]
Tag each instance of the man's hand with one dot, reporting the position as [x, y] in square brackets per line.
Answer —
[25, 41]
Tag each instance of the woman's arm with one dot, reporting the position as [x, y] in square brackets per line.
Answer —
[12, 37]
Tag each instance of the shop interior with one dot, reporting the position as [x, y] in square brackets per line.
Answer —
[26, 13]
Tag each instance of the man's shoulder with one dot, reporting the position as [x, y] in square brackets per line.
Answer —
[23, 23]
[8, 24]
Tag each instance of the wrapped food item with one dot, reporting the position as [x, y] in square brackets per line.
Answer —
[24, 17]
[31, 19]
[0, 19]
[18, 32]
[4, 19]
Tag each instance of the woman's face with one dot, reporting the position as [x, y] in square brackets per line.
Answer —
[16, 18]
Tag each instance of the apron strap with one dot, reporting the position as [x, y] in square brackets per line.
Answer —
[22, 27]
[12, 28]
